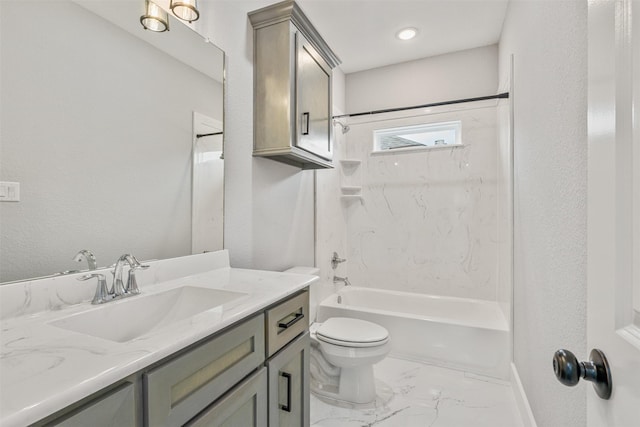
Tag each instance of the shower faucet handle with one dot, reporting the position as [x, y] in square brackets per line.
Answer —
[336, 260]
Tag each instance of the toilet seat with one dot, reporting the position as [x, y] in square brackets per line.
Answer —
[346, 332]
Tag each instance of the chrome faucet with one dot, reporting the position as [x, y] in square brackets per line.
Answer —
[87, 255]
[344, 280]
[118, 289]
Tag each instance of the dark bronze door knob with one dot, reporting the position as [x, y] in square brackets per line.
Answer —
[569, 370]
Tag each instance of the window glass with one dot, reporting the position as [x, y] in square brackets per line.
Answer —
[433, 135]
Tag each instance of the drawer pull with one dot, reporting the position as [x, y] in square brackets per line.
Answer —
[287, 407]
[296, 317]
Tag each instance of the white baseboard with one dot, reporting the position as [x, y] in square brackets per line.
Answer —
[521, 399]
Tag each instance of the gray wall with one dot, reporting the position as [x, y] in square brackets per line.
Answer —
[269, 212]
[463, 74]
[549, 44]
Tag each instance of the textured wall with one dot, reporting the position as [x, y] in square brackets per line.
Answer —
[549, 43]
[504, 214]
[269, 211]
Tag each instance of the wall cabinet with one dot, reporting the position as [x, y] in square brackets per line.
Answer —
[252, 374]
[292, 88]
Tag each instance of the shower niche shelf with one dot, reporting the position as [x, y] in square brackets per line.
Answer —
[350, 180]
[348, 198]
[348, 190]
[350, 163]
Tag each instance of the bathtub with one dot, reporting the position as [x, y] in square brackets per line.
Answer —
[464, 334]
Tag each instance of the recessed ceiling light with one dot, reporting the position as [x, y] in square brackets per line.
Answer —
[407, 33]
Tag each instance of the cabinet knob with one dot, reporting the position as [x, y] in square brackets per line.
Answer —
[569, 370]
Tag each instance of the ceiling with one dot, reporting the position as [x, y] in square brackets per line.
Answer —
[362, 32]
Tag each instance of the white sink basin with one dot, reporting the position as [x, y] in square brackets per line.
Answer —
[125, 320]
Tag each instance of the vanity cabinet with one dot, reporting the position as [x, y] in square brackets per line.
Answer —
[245, 405]
[292, 88]
[177, 390]
[115, 408]
[289, 385]
[288, 346]
[253, 374]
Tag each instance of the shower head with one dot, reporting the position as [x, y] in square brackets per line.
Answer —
[345, 128]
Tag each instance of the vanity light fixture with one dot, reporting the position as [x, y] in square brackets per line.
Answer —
[407, 33]
[155, 18]
[187, 10]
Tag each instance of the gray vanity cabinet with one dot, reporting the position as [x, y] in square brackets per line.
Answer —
[181, 388]
[292, 88]
[288, 344]
[289, 385]
[244, 406]
[116, 408]
[223, 381]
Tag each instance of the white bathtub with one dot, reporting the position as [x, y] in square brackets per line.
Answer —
[465, 334]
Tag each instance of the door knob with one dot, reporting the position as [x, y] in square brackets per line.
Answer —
[569, 370]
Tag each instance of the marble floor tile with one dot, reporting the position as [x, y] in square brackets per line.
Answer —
[427, 396]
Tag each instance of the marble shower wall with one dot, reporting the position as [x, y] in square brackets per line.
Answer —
[427, 219]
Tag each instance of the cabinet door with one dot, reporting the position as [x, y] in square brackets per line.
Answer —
[244, 406]
[116, 409]
[186, 385]
[313, 86]
[289, 385]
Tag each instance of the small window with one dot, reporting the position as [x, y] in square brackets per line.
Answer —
[434, 135]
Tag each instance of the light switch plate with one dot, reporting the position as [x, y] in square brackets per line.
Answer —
[9, 191]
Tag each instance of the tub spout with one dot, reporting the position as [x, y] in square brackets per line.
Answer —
[344, 280]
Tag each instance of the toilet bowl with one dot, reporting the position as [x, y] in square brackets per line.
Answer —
[354, 346]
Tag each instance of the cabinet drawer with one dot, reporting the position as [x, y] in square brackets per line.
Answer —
[286, 321]
[186, 385]
[245, 406]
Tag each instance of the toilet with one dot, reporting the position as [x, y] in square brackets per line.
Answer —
[351, 347]
[354, 346]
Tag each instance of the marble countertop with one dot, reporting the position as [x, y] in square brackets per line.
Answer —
[44, 368]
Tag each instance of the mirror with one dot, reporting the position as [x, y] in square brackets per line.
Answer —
[98, 124]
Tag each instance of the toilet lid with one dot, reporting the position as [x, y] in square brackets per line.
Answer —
[352, 332]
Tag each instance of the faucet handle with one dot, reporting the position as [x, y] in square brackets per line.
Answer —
[132, 283]
[87, 255]
[335, 260]
[102, 294]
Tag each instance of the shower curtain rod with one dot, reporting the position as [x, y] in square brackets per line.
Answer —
[434, 104]
[200, 135]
